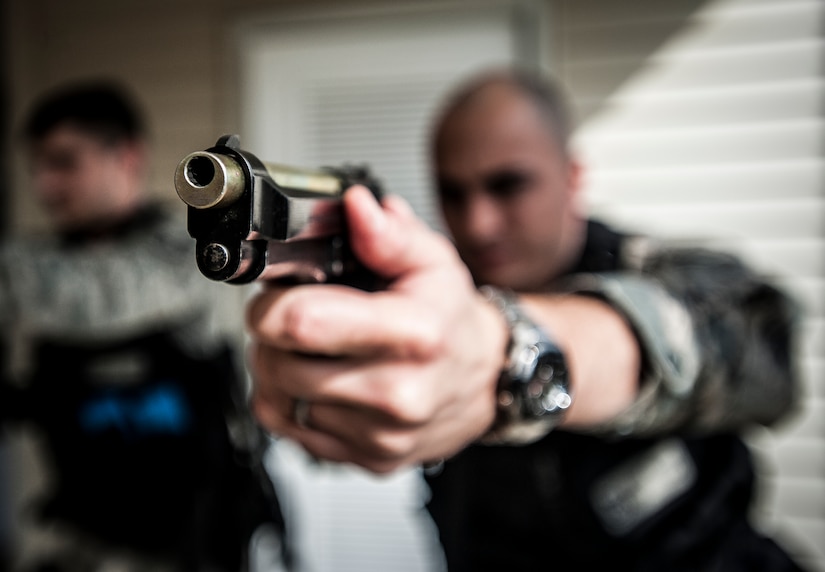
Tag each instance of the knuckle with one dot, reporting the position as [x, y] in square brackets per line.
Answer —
[259, 310]
[413, 412]
[392, 446]
[430, 338]
[407, 403]
[408, 399]
[300, 323]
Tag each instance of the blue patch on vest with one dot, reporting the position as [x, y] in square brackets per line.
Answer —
[160, 410]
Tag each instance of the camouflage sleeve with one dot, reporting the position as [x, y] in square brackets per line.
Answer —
[145, 282]
[717, 343]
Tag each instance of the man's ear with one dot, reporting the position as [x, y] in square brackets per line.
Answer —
[575, 183]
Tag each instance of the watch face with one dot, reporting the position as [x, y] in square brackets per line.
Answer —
[545, 393]
[533, 389]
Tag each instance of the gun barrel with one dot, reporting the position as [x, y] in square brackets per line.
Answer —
[258, 220]
[205, 180]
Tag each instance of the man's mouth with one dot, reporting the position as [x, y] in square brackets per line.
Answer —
[489, 258]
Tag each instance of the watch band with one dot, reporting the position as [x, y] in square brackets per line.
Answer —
[534, 386]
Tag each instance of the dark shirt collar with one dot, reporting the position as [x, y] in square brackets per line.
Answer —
[602, 249]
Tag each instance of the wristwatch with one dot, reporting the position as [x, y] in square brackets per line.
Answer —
[534, 386]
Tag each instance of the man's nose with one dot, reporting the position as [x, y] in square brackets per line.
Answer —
[483, 217]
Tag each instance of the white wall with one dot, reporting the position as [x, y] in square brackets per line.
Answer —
[717, 137]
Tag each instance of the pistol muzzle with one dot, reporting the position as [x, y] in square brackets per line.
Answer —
[207, 180]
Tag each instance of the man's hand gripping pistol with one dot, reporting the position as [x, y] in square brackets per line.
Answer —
[261, 221]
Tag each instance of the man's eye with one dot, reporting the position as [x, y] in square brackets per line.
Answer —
[59, 162]
[450, 192]
[507, 183]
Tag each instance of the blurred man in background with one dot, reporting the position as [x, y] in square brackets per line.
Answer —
[119, 363]
[581, 409]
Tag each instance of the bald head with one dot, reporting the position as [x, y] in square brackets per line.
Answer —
[542, 94]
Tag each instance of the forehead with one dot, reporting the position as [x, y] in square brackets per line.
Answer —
[66, 138]
[497, 125]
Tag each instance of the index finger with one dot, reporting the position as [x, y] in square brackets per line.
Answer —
[340, 321]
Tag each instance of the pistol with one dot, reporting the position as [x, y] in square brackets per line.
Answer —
[255, 220]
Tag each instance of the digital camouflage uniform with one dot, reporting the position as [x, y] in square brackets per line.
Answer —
[120, 363]
[668, 484]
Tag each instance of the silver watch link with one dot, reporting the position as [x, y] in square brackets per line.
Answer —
[534, 385]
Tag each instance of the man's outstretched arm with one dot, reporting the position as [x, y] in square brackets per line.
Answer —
[409, 374]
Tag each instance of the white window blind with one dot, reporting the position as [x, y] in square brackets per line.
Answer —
[363, 89]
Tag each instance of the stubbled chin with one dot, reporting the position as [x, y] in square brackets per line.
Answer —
[520, 278]
[494, 274]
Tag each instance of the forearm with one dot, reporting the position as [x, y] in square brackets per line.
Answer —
[601, 350]
[716, 343]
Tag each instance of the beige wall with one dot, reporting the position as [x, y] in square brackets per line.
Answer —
[171, 53]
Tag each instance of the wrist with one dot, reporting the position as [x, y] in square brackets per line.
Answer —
[496, 333]
[533, 389]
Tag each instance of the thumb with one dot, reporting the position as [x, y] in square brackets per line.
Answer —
[391, 241]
